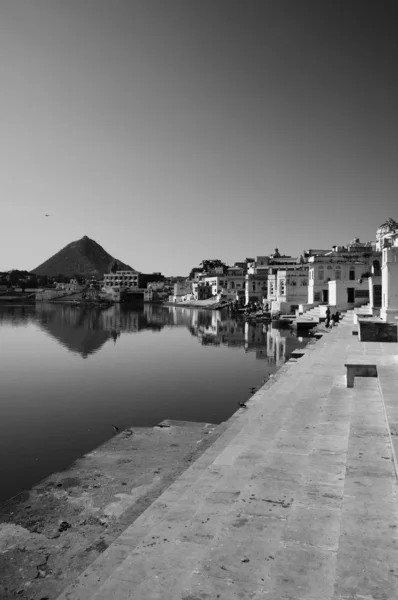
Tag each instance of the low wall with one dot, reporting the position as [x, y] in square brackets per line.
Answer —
[44, 295]
[374, 330]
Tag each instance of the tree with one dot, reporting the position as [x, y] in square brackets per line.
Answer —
[31, 282]
[212, 263]
[207, 265]
[42, 280]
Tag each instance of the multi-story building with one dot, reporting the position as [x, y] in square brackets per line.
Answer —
[121, 279]
[287, 288]
[182, 291]
[229, 285]
[340, 277]
[257, 289]
[201, 290]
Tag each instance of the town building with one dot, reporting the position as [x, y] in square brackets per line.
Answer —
[340, 277]
[121, 279]
[183, 291]
[387, 243]
[228, 286]
[201, 290]
[73, 286]
[256, 284]
[144, 279]
[256, 287]
[287, 288]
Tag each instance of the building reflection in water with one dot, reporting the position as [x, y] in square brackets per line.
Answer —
[85, 330]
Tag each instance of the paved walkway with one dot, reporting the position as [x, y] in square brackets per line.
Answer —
[296, 500]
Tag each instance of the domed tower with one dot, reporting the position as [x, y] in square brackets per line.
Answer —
[390, 226]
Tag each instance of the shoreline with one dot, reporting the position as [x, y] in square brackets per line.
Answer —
[70, 517]
[195, 305]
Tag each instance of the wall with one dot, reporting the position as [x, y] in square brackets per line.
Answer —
[201, 291]
[338, 293]
[256, 288]
[389, 276]
[182, 287]
[43, 295]
[373, 281]
[376, 331]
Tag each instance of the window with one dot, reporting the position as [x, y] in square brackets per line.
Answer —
[253, 286]
[376, 267]
[338, 273]
[321, 273]
[352, 274]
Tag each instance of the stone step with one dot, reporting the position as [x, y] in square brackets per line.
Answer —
[296, 499]
[181, 498]
[209, 528]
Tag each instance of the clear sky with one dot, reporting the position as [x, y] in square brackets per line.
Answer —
[171, 131]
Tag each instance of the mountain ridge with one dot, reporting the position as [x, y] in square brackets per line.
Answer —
[83, 257]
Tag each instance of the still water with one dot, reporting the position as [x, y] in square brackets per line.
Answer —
[68, 373]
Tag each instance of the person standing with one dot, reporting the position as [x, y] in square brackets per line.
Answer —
[327, 322]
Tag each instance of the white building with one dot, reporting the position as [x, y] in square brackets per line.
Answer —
[387, 242]
[287, 288]
[121, 279]
[72, 286]
[227, 286]
[340, 277]
[183, 291]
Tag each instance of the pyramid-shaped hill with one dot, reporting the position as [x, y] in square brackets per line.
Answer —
[83, 257]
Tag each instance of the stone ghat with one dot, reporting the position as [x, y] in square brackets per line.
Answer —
[296, 499]
[50, 534]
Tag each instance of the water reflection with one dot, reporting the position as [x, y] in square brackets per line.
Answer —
[181, 364]
[85, 330]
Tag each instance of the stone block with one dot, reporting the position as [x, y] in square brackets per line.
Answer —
[359, 370]
[374, 330]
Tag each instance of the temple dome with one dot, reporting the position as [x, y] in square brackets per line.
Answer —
[390, 226]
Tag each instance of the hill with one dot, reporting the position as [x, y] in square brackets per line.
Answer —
[83, 257]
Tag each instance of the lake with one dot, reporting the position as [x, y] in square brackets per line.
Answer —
[68, 373]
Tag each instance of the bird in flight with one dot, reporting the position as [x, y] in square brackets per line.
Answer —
[47, 215]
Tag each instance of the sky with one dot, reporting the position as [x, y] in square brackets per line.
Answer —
[171, 131]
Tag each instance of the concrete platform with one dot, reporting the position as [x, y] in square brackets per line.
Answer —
[51, 533]
[296, 500]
